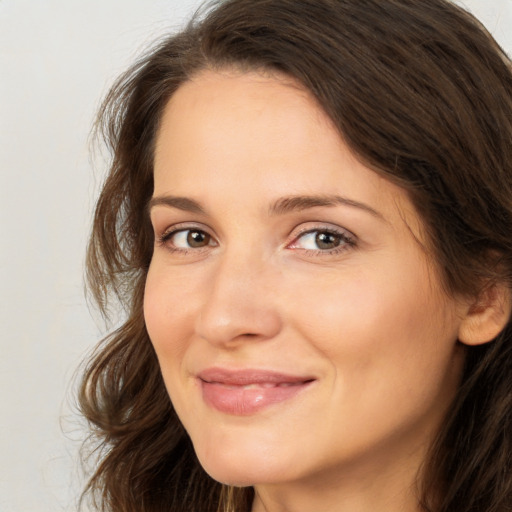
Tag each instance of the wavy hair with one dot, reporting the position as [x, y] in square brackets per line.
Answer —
[422, 94]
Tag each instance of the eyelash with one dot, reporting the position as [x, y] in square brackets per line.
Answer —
[346, 240]
[166, 236]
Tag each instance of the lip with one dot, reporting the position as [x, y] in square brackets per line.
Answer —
[248, 391]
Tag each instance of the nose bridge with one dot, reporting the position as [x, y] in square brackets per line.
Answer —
[238, 304]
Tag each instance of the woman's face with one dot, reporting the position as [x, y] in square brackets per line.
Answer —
[300, 325]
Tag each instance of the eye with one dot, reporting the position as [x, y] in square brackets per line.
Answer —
[185, 239]
[323, 240]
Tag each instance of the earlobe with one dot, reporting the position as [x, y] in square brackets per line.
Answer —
[487, 316]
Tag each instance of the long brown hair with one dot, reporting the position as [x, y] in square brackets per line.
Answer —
[422, 94]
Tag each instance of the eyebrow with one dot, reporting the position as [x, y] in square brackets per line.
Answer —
[282, 206]
[181, 203]
[299, 203]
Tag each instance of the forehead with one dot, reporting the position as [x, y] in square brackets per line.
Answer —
[240, 98]
[269, 136]
[245, 123]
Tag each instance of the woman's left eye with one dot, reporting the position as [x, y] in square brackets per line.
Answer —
[322, 240]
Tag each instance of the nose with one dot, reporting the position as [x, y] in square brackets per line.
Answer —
[239, 303]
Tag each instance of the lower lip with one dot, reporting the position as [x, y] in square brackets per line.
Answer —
[244, 401]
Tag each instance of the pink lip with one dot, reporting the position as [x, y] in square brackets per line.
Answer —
[245, 392]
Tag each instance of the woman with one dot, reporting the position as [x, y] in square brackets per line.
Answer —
[308, 220]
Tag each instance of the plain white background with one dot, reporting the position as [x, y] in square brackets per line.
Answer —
[57, 59]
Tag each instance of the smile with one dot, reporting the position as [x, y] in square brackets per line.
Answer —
[246, 392]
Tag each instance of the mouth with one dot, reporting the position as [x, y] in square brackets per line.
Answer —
[246, 392]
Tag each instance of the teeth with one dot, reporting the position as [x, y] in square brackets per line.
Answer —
[263, 385]
[267, 385]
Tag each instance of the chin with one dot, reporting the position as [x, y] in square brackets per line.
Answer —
[246, 465]
[245, 475]
[236, 477]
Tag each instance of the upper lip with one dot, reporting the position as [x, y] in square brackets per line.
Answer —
[245, 377]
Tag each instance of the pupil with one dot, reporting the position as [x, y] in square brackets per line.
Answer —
[327, 240]
[197, 239]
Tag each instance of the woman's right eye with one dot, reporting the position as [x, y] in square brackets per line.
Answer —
[186, 239]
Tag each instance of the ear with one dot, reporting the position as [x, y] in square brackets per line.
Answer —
[487, 316]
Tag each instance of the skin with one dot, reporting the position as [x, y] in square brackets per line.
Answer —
[366, 317]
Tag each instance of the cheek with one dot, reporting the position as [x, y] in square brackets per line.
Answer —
[168, 315]
[382, 330]
[392, 351]
[398, 302]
